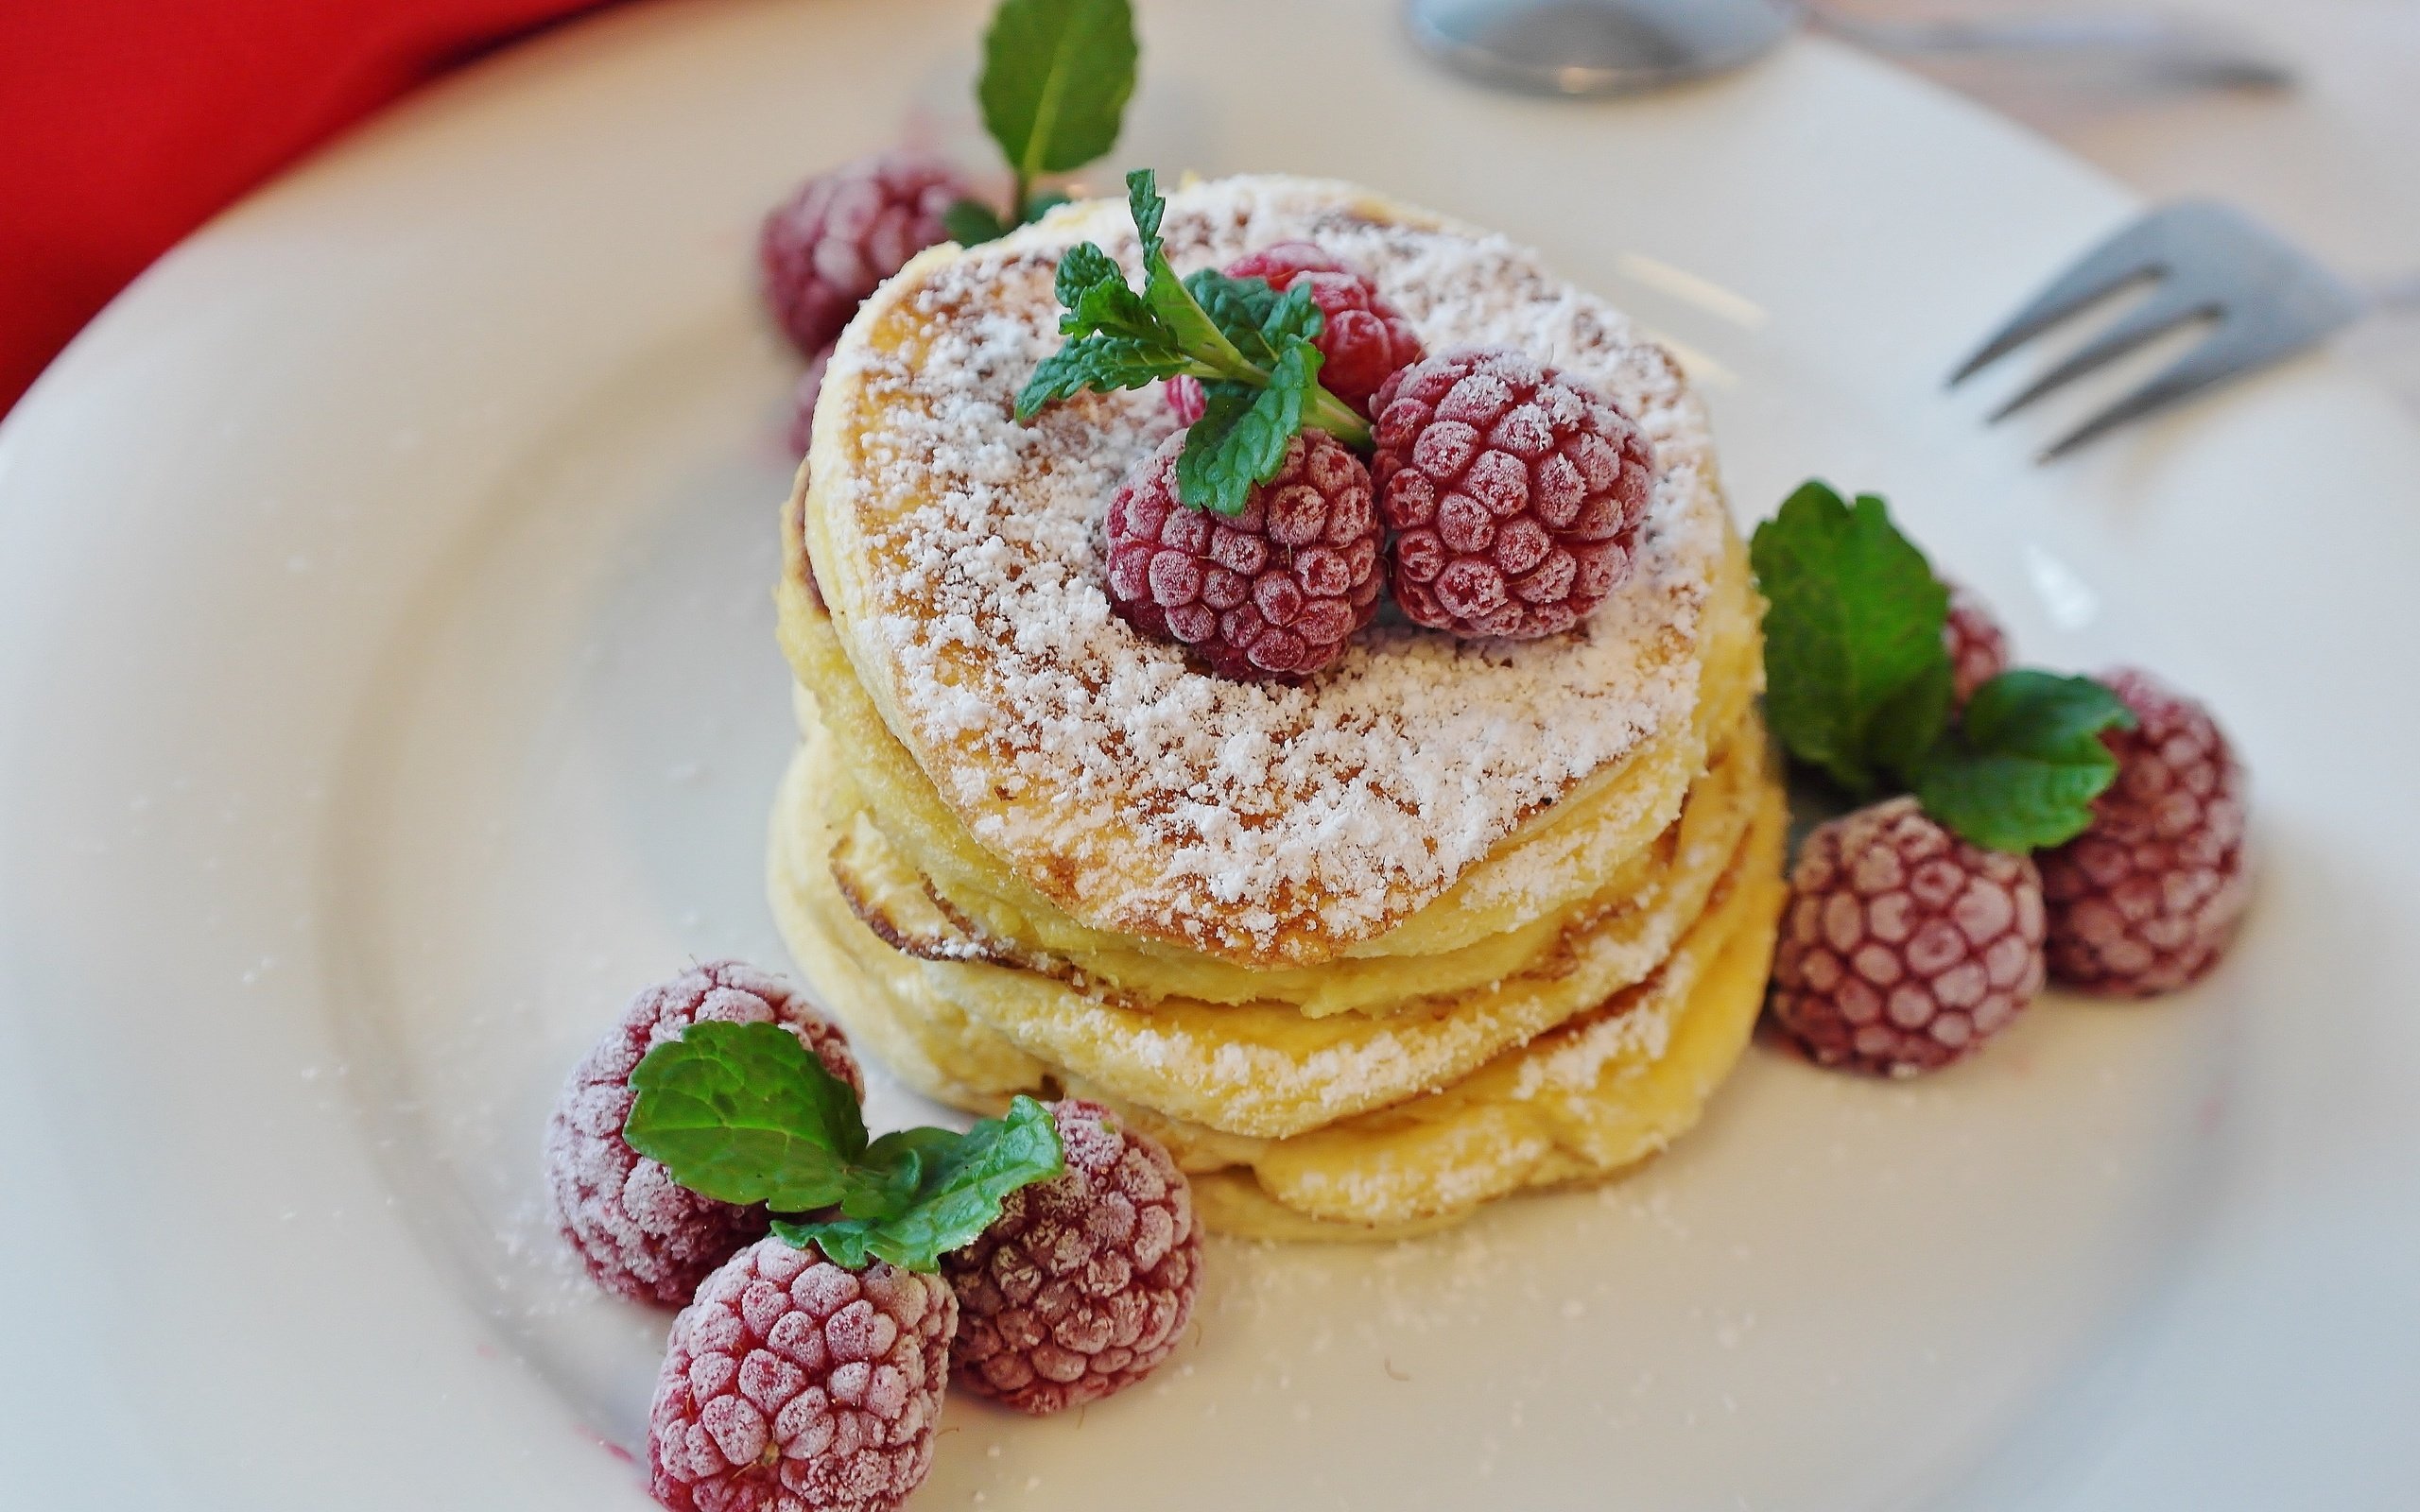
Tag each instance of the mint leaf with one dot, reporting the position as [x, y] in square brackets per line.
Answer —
[1237, 306]
[2022, 768]
[742, 1112]
[1294, 314]
[2042, 714]
[1254, 318]
[1857, 677]
[970, 222]
[2016, 803]
[1098, 303]
[1241, 439]
[1057, 75]
[891, 1169]
[1907, 725]
[1208, 475]
[940, 1191]
[1081, 268]
[1099, 365]
[1040, 205]
[1147, 207]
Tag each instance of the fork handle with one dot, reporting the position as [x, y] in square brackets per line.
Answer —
[2397, 293]
[2179, 49]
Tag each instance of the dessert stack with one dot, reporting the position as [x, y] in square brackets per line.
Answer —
[1366, 946]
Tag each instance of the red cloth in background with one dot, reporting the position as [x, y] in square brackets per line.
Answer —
[125, 124]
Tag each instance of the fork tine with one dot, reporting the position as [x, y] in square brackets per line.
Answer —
[2238, 347]
[2135, 252]
[2209, 259]
[2164, 311]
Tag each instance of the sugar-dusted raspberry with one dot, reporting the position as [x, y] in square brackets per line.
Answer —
[1904, 948]
[1515, 490]
[642, 1236]
[1185, 397]
[832, 242]
[1086, 1281]
[1364, 339]
[793, 1386]
[1978, 647]
[2147, 899]
[1274, 591]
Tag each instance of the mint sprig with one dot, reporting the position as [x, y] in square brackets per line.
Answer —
[947, 1188]
[1057, 75]
[744, 1114]
[2023, 765]
[1251, 347]
[1858, 684]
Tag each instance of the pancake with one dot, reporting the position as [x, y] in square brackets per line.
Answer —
[1261, 824]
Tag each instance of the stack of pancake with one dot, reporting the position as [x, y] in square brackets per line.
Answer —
[1449, 921]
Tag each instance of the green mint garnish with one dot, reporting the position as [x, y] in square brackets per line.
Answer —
[1856, 675]
[745, 1113]
[970, 222]
[1858, 684]
[2025, 762]
[1057, 75]
[948, 1189]
[1240, 439]
[1251, 347]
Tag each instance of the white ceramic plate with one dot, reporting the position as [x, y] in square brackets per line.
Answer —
[388, 688]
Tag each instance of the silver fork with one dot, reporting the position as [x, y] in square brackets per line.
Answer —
[2208, 261]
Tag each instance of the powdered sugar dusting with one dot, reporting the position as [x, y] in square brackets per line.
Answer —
[1144, 794]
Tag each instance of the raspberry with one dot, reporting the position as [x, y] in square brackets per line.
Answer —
[1364, 340]
[1085, 1282]
[1978, 647]
[832, 243]
[1905, 947]
[1184, 396]
[1272, 593]
[1514, 492]
[642, 1236]
[793, 1386]
[2146, 899]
